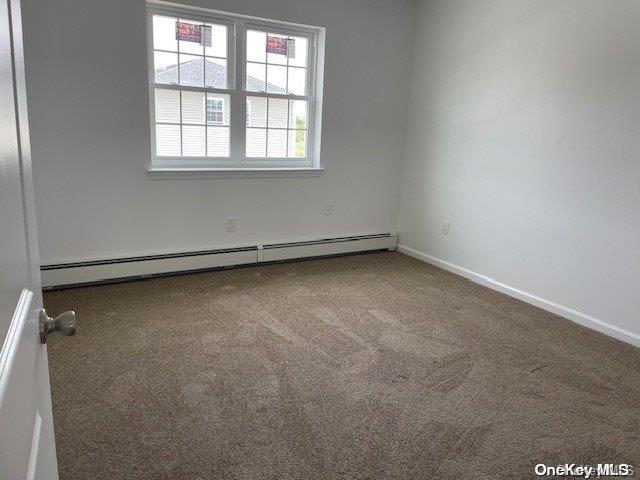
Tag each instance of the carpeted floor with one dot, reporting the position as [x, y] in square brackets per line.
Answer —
[373, 366]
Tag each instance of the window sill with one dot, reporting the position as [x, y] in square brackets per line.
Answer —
[193, 173]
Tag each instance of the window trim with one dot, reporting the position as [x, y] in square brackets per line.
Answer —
[237, 26]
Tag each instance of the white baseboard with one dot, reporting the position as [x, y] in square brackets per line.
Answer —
[108, 270]
[566, 312]
[289, 251]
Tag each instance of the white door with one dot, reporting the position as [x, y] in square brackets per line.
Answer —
[27, 445]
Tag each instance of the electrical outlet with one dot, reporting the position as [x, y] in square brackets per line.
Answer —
[328, 208]
[445, 227]
[230, 224]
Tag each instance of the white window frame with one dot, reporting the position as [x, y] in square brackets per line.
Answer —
[237, 162]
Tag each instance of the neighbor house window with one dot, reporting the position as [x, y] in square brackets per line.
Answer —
[215, 114]
[231, 92]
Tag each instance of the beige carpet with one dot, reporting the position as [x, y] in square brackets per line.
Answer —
[365, 367]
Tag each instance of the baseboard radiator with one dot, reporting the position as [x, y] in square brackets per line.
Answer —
[66, 275]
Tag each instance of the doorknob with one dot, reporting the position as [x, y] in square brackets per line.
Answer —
[65, 323]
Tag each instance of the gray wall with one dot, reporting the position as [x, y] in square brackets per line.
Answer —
[88, 102]
[524, 131]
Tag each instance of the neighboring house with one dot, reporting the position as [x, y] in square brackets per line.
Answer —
[194, 73]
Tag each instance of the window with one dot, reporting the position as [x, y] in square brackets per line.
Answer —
[215, 112]
[229, 92]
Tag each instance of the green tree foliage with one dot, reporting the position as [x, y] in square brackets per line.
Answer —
[300, 137]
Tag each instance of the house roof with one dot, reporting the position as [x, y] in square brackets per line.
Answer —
[191, 74]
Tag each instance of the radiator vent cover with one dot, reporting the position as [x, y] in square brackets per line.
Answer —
[69, 274]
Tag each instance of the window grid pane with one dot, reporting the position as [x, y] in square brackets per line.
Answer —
[219, 45]
[218, 142]
[168, 140]
[256, 77]
[194, 141]
[297, 144]
[166, 67]
[167, 106]
[193, 111]
[164, 33]
[256, 142]
[276, 143]
[278, 112]
[215, 72]
[276, 79]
